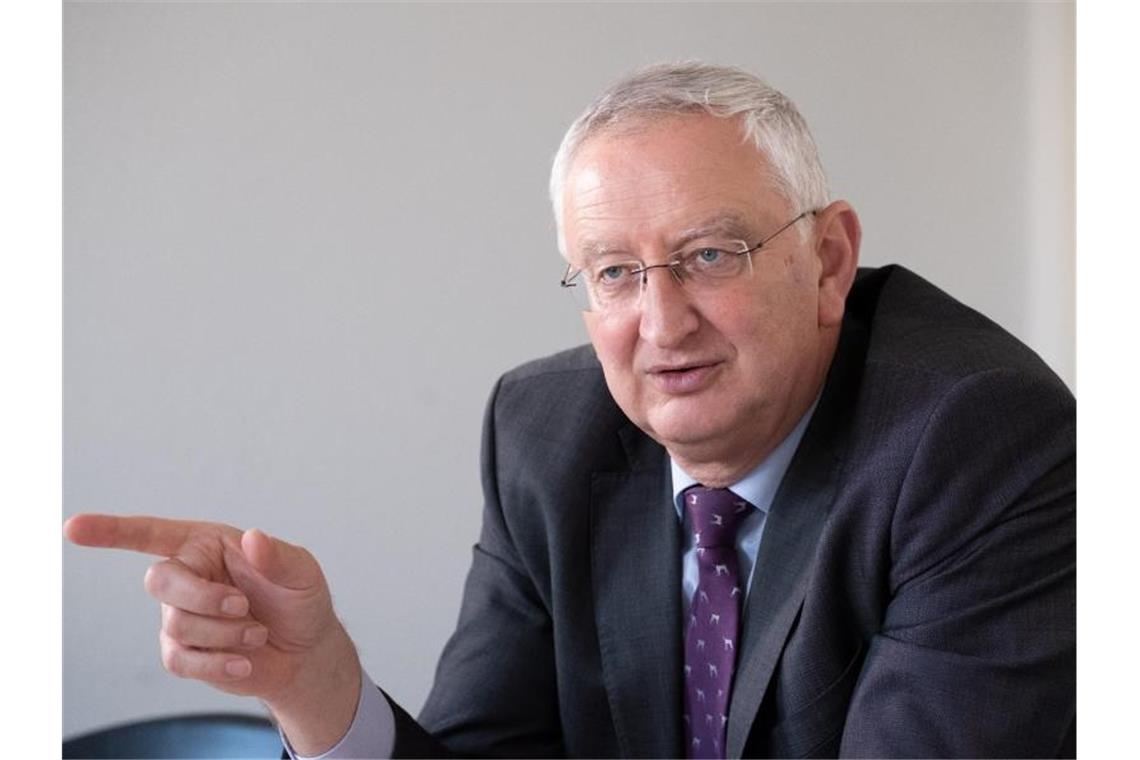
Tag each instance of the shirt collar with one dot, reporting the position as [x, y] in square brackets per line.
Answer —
[759, 486]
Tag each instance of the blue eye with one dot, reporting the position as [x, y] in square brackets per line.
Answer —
[709, 255]
[611, 273]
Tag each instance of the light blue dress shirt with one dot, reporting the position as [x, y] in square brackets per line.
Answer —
[373, 729]
[758, 488]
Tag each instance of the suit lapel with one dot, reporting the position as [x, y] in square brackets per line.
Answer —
[783, 564]
[794, 524]
[636, 580]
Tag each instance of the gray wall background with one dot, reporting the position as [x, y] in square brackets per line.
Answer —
[302, 241]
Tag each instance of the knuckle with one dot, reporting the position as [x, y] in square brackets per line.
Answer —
[173, 661]
[150, 580]
[156, 580]
[175, 623]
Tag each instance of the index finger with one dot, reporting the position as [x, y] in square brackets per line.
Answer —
[151, 535]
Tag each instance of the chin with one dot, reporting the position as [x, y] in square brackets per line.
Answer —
[688, 428]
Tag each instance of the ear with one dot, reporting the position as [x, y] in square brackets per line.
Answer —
[837, 238]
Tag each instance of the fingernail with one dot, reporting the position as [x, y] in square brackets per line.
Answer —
[255, 637]
[235, 605]
[239, 668]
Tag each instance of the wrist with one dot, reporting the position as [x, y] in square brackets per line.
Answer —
[317, 709]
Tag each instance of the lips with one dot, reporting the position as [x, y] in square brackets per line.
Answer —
[682, 378]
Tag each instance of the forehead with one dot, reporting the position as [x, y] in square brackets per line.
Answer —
[662, 180]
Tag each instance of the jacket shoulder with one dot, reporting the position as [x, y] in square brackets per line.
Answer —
[573, 360]
[912, 325]
[558, 403]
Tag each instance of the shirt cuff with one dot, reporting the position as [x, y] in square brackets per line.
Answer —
[372, 733]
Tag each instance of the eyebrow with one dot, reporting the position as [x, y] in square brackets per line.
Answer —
[596, 249]
[728, 225]
[723, 225]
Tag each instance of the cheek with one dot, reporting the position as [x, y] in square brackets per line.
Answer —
[615, 346]
[766, 333]
[614, 343]
[801, 268]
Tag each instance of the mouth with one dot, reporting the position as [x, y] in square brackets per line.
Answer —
[683, 378]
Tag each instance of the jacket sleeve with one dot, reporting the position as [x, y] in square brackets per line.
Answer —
[976, 655]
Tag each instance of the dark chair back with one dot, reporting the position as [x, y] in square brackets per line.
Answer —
[190, 736]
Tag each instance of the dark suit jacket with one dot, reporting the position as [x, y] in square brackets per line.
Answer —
[914, 593]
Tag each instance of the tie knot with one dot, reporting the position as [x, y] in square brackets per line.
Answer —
[715, 514]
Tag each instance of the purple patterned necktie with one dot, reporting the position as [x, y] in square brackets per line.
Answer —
[715, 514]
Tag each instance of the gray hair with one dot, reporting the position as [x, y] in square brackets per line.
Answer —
[768, 118]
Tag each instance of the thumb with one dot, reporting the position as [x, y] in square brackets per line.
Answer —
[279, 561]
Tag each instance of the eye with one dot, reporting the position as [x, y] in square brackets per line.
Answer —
[710, 262]
[609, 274]
[709, 255]
[613, 274]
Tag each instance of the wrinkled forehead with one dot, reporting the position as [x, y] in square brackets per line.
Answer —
[667, 181]
[720, 228]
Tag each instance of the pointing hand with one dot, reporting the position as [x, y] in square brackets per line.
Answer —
[246, 613]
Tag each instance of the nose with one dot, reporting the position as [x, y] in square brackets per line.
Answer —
[667, 314]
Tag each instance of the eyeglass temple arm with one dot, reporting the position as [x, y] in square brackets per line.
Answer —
[568, 276]
[761, 244]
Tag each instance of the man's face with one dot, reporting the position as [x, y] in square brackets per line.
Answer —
[725, 373]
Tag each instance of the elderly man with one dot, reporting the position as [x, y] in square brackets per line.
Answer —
[781, 507]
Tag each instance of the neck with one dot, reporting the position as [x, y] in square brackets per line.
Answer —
[716, 468]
